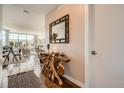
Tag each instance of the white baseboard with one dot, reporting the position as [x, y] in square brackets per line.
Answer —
[80, 84]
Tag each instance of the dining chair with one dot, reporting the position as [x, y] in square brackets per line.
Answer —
[17, 53]
[5, 52]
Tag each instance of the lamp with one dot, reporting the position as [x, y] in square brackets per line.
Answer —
[54, 49]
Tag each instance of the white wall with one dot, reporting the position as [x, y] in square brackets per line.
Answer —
[75, 48]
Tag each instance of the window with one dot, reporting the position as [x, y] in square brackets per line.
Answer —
[22, 37]
[22, 40]
[13, 36]
[13, 39]
[17, 39]
[30, 41]
[30, 37]
[4, 38]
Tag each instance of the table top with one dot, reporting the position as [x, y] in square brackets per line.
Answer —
[63, 58]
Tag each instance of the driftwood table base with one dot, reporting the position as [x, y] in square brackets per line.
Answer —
[53, 65]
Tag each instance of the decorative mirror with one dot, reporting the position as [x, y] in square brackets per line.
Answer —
[59, 30]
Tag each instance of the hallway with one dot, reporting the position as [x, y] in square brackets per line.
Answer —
[28, 75]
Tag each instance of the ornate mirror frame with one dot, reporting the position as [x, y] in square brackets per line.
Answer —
[59, 30]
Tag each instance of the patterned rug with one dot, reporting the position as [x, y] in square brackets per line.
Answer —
[24, 80]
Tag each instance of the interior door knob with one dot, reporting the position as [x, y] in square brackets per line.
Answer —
[93, 52]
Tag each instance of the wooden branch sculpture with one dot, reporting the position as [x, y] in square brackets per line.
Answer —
[54, 66]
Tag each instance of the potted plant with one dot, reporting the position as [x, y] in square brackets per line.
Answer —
[11, 43]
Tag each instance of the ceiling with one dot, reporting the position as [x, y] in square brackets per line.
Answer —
[38, 8]
[32, 20]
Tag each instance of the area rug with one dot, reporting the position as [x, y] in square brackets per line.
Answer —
[24, 80]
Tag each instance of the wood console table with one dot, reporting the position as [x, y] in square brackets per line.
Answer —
[53, 66]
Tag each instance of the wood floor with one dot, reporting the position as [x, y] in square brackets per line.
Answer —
[29, 80]
[66, 83]
[30, 75]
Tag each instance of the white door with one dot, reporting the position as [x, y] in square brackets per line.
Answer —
[107, 66]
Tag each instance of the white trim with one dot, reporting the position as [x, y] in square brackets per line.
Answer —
[80, 84]
[86, 22]
[89, 26]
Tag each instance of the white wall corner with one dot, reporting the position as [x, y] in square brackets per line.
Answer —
[80, 84]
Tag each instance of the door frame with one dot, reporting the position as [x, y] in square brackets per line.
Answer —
[89, 27]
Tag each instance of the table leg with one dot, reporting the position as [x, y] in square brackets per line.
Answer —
[14, 56]
[7, 57]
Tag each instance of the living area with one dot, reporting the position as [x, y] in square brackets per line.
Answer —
[39, 43]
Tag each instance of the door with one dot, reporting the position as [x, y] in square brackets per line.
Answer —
[107, 39]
